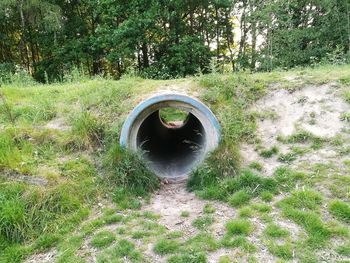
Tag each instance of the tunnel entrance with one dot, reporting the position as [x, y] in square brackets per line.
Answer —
[174, 132]
[172, 143]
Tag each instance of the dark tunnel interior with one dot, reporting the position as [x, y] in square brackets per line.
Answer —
[172, 149]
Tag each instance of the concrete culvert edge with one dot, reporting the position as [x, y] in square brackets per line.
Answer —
[171, 149]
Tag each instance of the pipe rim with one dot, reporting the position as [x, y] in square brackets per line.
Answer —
[174, 100]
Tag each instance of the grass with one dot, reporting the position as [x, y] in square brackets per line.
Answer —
[124, 249]
[275, 231]
[238, 227]
[239, 198]
[102, 239]
[203, 222]
[185, 214]
[166, 246]
[64, 136]
[268, 153]
[340, 210]
[284, 251]
[189, 257]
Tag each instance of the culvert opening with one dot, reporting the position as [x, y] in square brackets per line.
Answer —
[172, 145]
[174, 132]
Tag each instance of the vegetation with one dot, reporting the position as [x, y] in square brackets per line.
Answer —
[54, 40]
[66, 184]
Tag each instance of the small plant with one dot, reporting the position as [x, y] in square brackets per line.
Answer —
[203, 222]
[124, 249]
[284, 251]
[189, 257]
[343, 250]
[268, 153]
[287, 157]
[239, 198]
[208, 209]
[166, 246]
[266, 196]
[185, 214]
[345, 116]
[102, 239]
[245, 212]
[346, 96]
[238, 227]
[255, 165]
[340, 210]
[275, 231]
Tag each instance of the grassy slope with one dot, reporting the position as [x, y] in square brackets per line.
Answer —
[60, 134]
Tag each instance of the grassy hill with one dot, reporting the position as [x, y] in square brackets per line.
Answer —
[68, 193]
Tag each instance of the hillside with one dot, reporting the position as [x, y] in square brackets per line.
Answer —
[277, 189]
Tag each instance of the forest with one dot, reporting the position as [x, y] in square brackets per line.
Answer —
[169, 38]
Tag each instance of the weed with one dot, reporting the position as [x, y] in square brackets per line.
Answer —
[166, 246]
[340, 210]
[102, 239]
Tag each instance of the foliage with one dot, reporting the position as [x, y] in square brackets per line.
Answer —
[68, 40]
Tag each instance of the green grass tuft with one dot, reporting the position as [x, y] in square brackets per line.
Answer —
[340, 210]
[203, 222]
[238, 227]
[102, 239]
[239, 198]
[189, 257]
[166, 246]
[268, 153]
[275, 231]
[124, 249]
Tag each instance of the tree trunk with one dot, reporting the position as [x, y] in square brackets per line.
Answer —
[253, 28]
[145, 60]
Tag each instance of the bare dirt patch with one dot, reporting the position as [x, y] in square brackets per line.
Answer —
[316, 109]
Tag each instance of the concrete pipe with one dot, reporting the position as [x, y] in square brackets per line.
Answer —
[172, 151]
